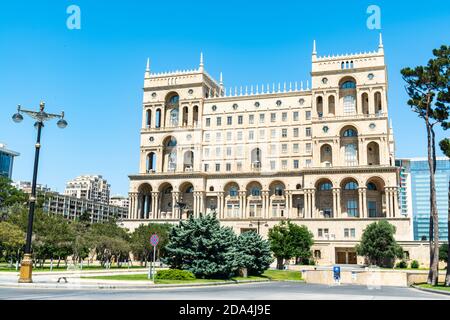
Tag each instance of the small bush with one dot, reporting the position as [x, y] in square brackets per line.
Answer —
[402, 265]
[415, 264]
[174, 274]
[312, 262]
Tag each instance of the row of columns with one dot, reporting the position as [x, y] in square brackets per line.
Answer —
[139, 204]
[338, 106]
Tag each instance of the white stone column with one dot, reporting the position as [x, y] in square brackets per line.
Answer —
[288, 204]
[156, 209]
[395, 195]
[307, 204]
[360, 203]
[388, 202]
[364, 203]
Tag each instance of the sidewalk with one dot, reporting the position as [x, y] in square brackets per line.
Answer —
[76, 282]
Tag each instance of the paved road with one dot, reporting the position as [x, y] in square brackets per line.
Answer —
[262, 291]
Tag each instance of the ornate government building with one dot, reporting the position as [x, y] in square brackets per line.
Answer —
[319, 152]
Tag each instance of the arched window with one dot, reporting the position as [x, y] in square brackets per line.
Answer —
[151, 162]
[172, 142]
[148, 118]
[256, 192]
[351, 186]
[331, 105]
[342, 65]
[325, 186]
[174, 99]
[211, 188]
[350, 133]
[279, 190]
[233, 192]
[349, 104]
[298, 186]
[319, 105]
[348, 85]
[189, 189]
[185, 116]
[158, 118]
[351, 154]
[371, 186]
[174, 117]
[378, 104]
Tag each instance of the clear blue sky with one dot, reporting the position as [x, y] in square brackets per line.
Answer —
[96, 74]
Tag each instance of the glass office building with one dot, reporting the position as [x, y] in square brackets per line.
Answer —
[6, 161]
[414, 195]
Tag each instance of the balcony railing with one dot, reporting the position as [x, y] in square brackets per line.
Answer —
[350, 116]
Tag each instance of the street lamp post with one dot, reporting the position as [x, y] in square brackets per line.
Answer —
[41, 116]
[258, 223]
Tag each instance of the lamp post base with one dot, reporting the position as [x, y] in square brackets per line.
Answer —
[26, 267]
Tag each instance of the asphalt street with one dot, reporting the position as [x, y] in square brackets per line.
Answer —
[260, 291]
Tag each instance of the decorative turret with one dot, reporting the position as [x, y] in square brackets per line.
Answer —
[380, 46]
[147, 69]
[201, 66]
[314, 53]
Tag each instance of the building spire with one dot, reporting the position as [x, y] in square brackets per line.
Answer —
[201, 67]
[147, 69]
[314, 48]
[380, 45]
[221, 79]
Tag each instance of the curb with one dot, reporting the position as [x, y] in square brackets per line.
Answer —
[431, 290]
[124, 287]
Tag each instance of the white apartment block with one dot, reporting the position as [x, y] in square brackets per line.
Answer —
[318, 152]
[119, 201]
[89, 187]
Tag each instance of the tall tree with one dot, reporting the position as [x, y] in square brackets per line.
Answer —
[378, 244]
[288, 240]
[9, 195]
[428, 87]
[12, 239]
[140, 241]
[445, 146]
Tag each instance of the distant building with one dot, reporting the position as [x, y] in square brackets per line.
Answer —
[415, 194]
[119, 201]
[25, 186]
[72, 208]
[89, 187]
[6, 161]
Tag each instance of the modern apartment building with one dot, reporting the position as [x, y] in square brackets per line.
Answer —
[119, 201]
[318, 152]
[90, 187]
[415, 194]
[6, 161]
[72, 208]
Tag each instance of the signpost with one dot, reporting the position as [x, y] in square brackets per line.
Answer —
[154, 239]
[337, 274]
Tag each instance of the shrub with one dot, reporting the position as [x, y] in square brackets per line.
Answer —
[202, 246]
[174, 274]
[253, 253]
[402, 264]
[415, 264]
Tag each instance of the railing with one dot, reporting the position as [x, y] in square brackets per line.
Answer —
[350, 116]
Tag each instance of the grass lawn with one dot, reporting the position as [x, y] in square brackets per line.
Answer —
[268, 275]
[439, 287]
[62, 267]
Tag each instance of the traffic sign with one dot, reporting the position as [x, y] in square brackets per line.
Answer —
[337, 273]
[154, 239]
